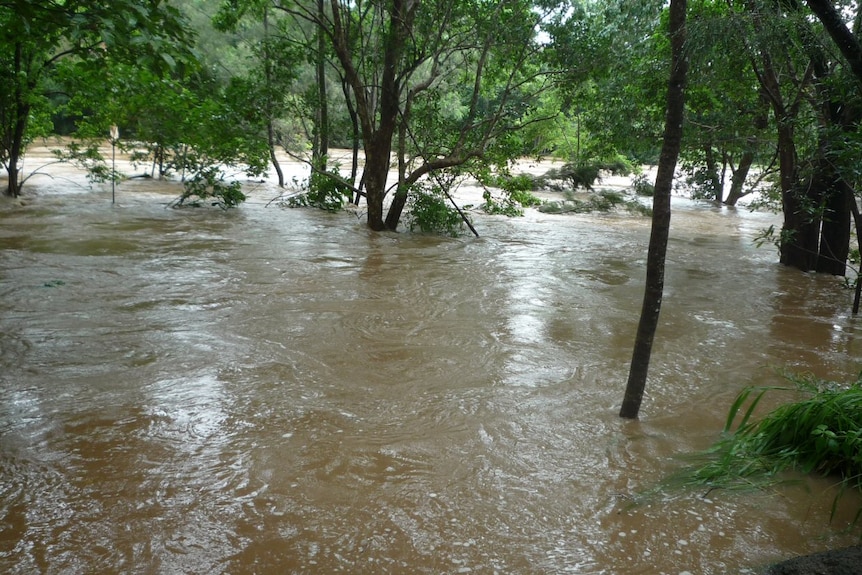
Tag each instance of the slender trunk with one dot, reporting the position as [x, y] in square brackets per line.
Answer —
[323, 108]
[857, 219]
[399, 200]
[654, 287]
[19, 129]
[270, 134]
[270, 128]
[17, 148]
[396, 208]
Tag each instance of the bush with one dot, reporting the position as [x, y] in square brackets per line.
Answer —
[603, 201]
[820, 434]
[586, 174]
[326, 191]
[209, 185]
[642, 186]
[516, 194]
[429, 212]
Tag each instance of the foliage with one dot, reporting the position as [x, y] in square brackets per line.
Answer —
[209, 185]
[818, 434]
[38, 38]
[602, 201]
[429, 212]
[642, 186]
[516, 192]
[325, 190]
[586, 174]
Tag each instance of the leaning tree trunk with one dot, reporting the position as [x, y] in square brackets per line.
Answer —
[661, 215]
[738, 177]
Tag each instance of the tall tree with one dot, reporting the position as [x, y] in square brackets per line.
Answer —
[36, 36]
[803, 82]
[660, 231]
[395, 56]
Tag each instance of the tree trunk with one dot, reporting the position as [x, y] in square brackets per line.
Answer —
[375, 175]
[835, 229]
[857, 219]
[800, 231]
[322, 105]
[377, 135]
[737, 178]
[661, 215]
[270, 128]
[270, 134]
[19, 128]
[399, 201]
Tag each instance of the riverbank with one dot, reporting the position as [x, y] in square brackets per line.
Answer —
[847, 561]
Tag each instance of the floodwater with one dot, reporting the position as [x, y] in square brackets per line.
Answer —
[266, 390]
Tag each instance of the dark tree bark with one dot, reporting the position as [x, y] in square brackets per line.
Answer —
[20, 117]
[737, 178]
[654, 288]
[377, 132]
[840, 34]
[715, 181]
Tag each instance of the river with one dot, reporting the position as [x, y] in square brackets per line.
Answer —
[265, 390]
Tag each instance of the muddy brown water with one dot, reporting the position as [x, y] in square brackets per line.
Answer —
[282, 391]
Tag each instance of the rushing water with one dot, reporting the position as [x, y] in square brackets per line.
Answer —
[282, 391]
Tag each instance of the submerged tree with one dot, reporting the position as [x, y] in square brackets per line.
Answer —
[653, 291]
[437, 83]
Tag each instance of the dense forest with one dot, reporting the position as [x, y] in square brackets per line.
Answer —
[437, 89]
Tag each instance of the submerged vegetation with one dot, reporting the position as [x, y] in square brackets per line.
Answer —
[819, 433]
[601, 201]
[210, 186]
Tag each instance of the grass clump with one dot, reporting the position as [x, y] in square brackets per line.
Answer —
[818, 434]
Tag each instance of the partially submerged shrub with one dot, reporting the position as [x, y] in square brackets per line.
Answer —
[209, 185]
[643, 186]
[586, 174]
[516, 194]
[603, 201]
[429, 212]
[325, 190]
[819, 434]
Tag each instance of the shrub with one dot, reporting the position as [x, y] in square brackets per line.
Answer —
[642, 186]
[429, 212]
[516, 194]
[209, 185]
[326, 190]
[820, 434]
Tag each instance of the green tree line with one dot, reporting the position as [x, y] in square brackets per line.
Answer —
[432, 89]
